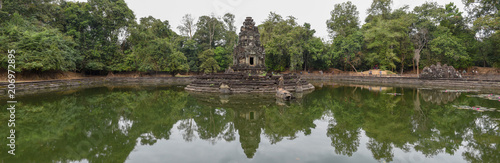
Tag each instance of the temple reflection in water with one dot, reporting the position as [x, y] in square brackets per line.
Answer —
[103, 125]
[249, 124]
[249, 114]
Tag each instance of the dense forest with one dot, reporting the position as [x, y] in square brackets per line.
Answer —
[101, 36]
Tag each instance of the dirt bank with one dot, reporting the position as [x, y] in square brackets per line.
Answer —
[486, 82]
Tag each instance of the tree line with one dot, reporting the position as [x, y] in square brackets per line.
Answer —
[101, 36]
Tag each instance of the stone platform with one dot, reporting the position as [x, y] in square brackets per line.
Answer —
[238, 82]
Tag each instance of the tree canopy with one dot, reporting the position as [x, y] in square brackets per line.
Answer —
[101, 36]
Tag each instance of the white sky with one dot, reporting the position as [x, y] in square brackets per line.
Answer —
[315, 12]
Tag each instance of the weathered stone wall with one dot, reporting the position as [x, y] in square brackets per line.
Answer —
[35, 87]
[409, 81]
[243, 83]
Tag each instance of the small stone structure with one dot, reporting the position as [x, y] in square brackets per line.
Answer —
[438, 71]
[284, 94]
[247, 74]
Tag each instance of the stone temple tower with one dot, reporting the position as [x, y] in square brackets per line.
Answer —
[246, 73]
[249, 55]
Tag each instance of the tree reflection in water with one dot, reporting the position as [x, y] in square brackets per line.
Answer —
[106, 124]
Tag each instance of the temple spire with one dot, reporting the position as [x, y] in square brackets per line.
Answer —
[249, 55]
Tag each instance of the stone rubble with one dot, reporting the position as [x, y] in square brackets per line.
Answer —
[438, 71]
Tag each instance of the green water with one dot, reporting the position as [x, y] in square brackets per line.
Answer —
[332, 124]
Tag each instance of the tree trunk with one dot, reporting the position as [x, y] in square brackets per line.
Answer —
[353, 67]
[418, 75]
[305, 62]
[413, 65]
[402, 67]
[417, 58]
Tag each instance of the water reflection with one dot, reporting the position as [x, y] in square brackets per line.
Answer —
[101, 125]
[438, 97]
[249, 124]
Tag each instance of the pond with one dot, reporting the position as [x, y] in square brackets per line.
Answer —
[340, 123]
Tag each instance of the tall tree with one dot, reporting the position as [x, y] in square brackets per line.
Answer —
[403, 20]
[210, 31]
[289, 45]
[190, 49]
[344, 30]
[344, 20]
[381, 42]
[484, 14]
[314, 54]
[229, 21]
[99, 26]
[379, 8]
[485, 17]
[187, 27]
[230, 40]
[283, 40]
[347, 49]
[420, 38]
[449, 49]
[427, 16]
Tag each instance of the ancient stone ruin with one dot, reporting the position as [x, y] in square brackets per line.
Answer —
[241, 82]
[249, 55]
[247, 74]
[438, 71]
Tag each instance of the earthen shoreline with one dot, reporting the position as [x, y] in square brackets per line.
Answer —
[34, 87]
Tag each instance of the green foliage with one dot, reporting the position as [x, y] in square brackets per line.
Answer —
[43, 11]
[37, 48]
[96, 27]
[381, 41]
[230, 36]
[449, 49]
[485, 14]
[347, 39]
[160, 55]
[190, 49]
[344, 19]
[208, 62]
[223, 57]
[209, 33]
[154, 47]
[316, 54]
[99, 36]
[348, 49]
[187, 28]
[217, 35]
[289, 45]
[381, 8]
[491, 51]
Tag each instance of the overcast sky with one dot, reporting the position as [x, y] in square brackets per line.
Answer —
[315, 12]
